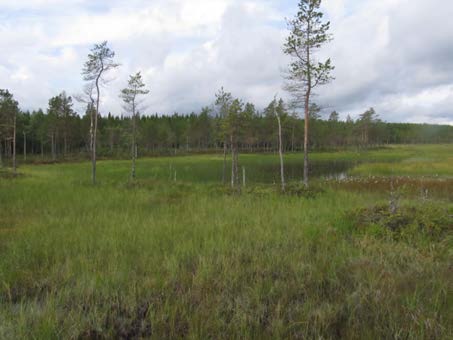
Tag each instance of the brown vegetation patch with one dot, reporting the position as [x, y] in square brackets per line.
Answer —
[409, 186]
[431, 221]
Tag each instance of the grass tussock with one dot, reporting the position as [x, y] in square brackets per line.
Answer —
[427, 222]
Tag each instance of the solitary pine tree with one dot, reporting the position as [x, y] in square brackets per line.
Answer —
[308, 33]
[130, 94]
[100, 61]
[366, 121]
[334, 116]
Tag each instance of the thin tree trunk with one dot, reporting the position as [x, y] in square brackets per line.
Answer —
[307, 118]
[65, 141]
[42, 149]
[134, 142]
[93, 149]
[14, 146]
[25, 147]
[224, 161]
[280, 151]
[1, 154]
[54, 147]
[111, 141]
[94, 122]
[134, 157]
[236, 163]
[233, 177]
[7, 148]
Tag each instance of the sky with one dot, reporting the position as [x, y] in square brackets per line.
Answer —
[393, 55]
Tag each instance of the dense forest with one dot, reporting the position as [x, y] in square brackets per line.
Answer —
[60, 132]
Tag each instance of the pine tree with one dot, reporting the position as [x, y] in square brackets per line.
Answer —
[100, 61]
[132, 103]
[308, 33]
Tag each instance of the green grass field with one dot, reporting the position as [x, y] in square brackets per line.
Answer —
[159, 258]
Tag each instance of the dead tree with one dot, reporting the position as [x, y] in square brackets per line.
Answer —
[280, 151]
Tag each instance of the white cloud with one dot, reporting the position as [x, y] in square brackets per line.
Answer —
[395, 55]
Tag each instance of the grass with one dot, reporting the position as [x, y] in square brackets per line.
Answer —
[428, 160]
[158, 259]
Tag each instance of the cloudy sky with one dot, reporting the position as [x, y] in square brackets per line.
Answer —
[394, 55]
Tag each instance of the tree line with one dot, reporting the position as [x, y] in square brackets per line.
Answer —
[59, 132]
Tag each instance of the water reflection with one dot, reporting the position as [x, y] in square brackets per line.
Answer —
[270, 173]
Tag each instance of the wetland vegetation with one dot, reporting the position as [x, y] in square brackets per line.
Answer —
[162, 258]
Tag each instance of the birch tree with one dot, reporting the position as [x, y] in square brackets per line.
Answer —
[99, 62]
[308, 33]
[275, 111]
[130, 96]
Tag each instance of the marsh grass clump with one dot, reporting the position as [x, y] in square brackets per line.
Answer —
[260, 190]
[429, 221]
[300, 190]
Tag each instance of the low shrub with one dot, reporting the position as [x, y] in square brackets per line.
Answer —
[429, 221]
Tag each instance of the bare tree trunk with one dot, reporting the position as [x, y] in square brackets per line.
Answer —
[42, 149]
[93, 149]
[111, 141]
[243, 176]
[233, 177]
[134, 143]
[134, 157]
[8, 147]
[224, 161]
[25, 147]
[236, 163]
[94, 131]
[280, 151]
[14, 145]
[54, 147]
[307, 118]
[1, 154]
[65, 141]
